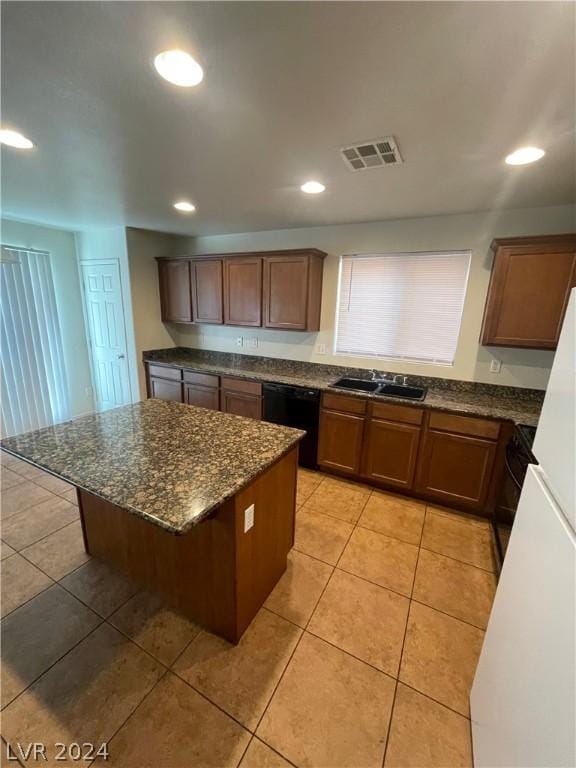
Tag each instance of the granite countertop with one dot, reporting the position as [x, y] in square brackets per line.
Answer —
[516, 404]
[169, 463]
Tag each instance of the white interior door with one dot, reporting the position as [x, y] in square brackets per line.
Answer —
[105, 317]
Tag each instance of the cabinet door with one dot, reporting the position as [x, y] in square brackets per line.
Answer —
[205, 397]
[175, 295]
[207, 296]
[286, 292]
[456, 469]
[241, 404]
[340, 441]
[166, 390]
[390, 452]
[528, 295]
[243, 291]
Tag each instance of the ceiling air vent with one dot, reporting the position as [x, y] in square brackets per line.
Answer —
[372, 154]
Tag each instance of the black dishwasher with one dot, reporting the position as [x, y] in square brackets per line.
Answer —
[295, 407]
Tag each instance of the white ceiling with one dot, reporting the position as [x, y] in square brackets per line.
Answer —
[459, 85]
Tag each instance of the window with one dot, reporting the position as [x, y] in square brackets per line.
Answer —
[402, 306]
[34, 384]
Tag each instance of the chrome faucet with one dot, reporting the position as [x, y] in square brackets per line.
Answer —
[400, 379]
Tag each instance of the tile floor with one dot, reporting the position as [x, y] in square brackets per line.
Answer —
[362, 656]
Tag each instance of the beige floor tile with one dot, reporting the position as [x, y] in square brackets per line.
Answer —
[259, 755]
[8, 479]
[100, 587]
[27, 470]
[86, 696]
[8, 461]
[32, 524]
[459, 537]
[321, 536]
[177, 728]
[60, 553]
[381, 559]
[241, 678]
[462, 590]
[440, 656]
[308, 481]
[297, 592]
[329, 710]
[20, 582]
[154, 626]
[21, 497]
[340, 499]
[5, 550]
[71, 496]
[366, 620]
[424, 734]
[395, 516]
[54, 484]
[37, 634]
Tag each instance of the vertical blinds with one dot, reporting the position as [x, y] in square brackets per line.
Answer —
[405, 306]
[33, 374]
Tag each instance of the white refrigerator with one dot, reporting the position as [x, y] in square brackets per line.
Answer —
[523, 700]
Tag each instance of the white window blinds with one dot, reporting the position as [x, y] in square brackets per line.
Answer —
[405, 306]
[34, 383]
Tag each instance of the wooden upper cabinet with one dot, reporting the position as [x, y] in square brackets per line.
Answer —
[529, 289]
[175, 296]
[207, 291]
[293, 290]
[243, 290]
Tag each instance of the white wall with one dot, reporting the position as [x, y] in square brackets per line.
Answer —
[475, 231]
[62, 249]
[143, 246]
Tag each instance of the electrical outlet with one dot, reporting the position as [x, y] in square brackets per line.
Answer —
[253, 343]
[495, 365]
[239, 341]
[320, 349]
[248, 518]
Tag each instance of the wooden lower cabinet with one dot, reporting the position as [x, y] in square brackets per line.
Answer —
[241, 404]
[456, 469]
[340, 441]
[390, 452]
[164, 389]
[205, 397]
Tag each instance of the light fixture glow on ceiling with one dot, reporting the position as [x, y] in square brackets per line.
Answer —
[179, 68]
[184, 206]
[14, 139]
[312, 187]
[525, 155]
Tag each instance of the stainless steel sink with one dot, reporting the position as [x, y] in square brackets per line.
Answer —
[381, 388]
[358, 385]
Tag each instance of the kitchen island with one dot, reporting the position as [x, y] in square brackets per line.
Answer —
[194, 504]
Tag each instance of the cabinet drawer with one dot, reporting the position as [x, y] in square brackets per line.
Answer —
[204, 379]
[241, 385]
[165, 372]
[465, 425]
[343, 404]
[401, 413]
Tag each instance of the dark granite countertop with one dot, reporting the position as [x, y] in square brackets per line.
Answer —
[169, 463]
[521, 406]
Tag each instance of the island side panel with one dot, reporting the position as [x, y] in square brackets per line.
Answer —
[215, 573]
[261, 555]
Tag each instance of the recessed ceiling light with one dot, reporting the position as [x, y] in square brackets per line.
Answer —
[184, 206]
[14, 139]
[179, 68]
[525, 155]
[312, 187]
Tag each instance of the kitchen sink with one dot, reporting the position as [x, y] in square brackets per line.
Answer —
[402, 390]
[381, 388]
[360, 385]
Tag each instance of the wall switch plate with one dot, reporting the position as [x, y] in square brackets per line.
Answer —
[239, 341]
[253, 343]
[320, 349]
[495, 365]
[248, 518]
